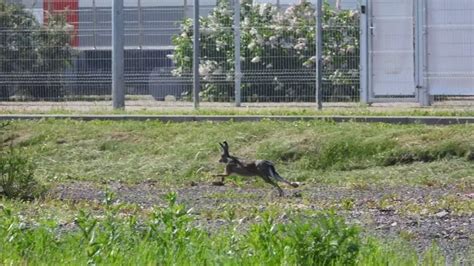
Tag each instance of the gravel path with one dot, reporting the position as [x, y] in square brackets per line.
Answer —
[381, 211]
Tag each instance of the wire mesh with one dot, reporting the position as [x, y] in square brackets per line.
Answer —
[450, 49]
[60, 50]
[277, 53]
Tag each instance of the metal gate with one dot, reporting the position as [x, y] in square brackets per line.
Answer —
[450, 47]
[391, 56]
[413, 50]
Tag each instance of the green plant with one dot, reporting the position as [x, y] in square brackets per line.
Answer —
[266, 31]
[17, 176]
[32, 52]
[166, 237]
[16, 173]
[171, 232]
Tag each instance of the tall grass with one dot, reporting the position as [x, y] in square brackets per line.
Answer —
[16, 171]
[167, 237]
[176, 152]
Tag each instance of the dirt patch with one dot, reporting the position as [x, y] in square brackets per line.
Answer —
[379, 211]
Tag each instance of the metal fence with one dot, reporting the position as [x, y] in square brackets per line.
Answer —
[68, 54]
[60, 51]
[449, 27]
[418, 51]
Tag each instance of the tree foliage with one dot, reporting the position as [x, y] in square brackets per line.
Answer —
[31, 54]
[277, 51]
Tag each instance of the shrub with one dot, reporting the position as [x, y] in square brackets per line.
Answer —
[323, 240]
[277, 51]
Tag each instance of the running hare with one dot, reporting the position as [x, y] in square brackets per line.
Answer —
[262, 168]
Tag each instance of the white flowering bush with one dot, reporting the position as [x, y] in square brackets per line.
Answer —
[277, 52]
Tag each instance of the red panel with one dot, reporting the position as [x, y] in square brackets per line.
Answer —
[70, 7]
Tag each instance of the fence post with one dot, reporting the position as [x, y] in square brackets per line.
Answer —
[238, 73]
[118, 86]
[196, 55]
[94, 23]
[422, 90]
[140, 25]
[319, 53]
[364, 53]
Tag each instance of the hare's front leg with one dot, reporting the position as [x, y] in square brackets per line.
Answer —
[227, 172]
[222, 176]
[220, 182]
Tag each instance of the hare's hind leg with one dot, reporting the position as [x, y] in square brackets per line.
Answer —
[277, 177]
[280, 191]
[269, 180]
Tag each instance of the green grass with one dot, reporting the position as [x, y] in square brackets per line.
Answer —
[352, 156]
[354, 110]
[173, 153]
[166, 236]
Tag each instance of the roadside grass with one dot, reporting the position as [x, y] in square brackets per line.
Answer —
[354, 156]
[174, 153]
[355, 110]
[167, 236]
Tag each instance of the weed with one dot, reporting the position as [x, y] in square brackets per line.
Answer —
[167, 237]
[347, 204]
[17, 174]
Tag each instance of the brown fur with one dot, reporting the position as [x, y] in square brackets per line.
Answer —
[262, 168]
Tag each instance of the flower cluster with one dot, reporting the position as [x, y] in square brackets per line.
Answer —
[274, 44]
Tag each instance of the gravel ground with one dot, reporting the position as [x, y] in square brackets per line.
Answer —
[452, 232]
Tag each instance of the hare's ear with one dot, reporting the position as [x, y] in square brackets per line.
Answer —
[226, 145]
[222, 146]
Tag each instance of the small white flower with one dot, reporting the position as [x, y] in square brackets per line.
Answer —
[220, 45]
[204, 70]
[303, 40]
[350, 49]
[263, 8]
[308, 63]
[300, 46]
[251, 45]
[256, 59]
